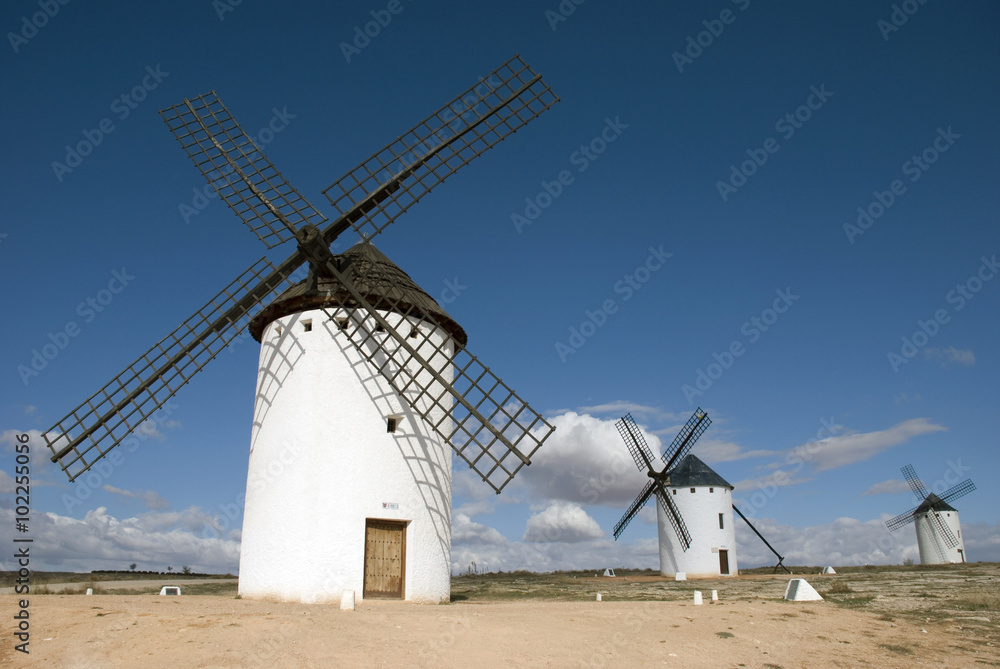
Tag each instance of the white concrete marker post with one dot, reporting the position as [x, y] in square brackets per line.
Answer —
[715, 595]
[798, 590]
[697, 597]
[680, 576]
[347, 600]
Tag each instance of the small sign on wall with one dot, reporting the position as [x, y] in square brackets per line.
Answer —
[392, 506]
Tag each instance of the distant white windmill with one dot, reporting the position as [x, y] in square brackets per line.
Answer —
[939, 533]
[689, 493]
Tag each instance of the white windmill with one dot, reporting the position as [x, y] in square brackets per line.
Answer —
[364, 383]
[689, 493]
[939, 533]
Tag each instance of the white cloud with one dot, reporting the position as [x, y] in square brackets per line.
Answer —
[778, 478]
[850, 542]
[620, 408]
[150, 498]
[951, 355]
[714, 450]
[40, 452]
[842, 542]
[562, 521]
[585, 461]
[491, 551]
[886, 487]
[101, 541]
[6, 483]
[847, 449]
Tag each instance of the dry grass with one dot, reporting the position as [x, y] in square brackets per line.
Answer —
[979, 601]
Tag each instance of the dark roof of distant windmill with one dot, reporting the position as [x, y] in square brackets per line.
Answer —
[932, 501]
[693, 472]
[385, 287]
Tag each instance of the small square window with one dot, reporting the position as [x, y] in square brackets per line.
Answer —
[307, 326]
[391, 423]
[277, 330]
[414, 332]
[711, 490]
[692, 489]
[674, 491]
[342, 323]
[379, 327]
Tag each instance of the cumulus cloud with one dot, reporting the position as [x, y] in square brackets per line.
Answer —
[101, 541]
[150, 498]
[474, 542]
[585, 461]
[887, 487]
[842, 542]
[850, 542]
[562, 521]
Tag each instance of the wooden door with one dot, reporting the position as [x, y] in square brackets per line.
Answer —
[385, 558]
[723, 562]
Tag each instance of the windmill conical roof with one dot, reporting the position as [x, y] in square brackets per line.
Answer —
[692, 472]
[934, 502]
[385, 286]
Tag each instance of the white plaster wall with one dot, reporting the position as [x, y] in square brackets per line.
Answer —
[700, 511]
[321, 462]
[933, 549]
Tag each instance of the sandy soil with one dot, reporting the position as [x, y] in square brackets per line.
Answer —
[77, 632]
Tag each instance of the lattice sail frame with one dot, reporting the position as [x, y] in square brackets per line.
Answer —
[635, 442]
[486, 423]
[503, 102]
[916, 485]
[669, 509]
[103, 420]
[685, 439]
[239, 172]
[643, 456]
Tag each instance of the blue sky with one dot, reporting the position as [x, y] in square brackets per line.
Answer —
[746, 158]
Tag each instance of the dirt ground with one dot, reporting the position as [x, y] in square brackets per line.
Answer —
[149, 631]
[872, 617]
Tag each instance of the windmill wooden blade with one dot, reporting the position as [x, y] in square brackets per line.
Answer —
[636, 444]
[238, 171]
[123, 404]
[674, 516]
[381, 188]
[639, 502]
[958, 490]
[916, 485]
[485, 421]
[897, 522]
[685, 439]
